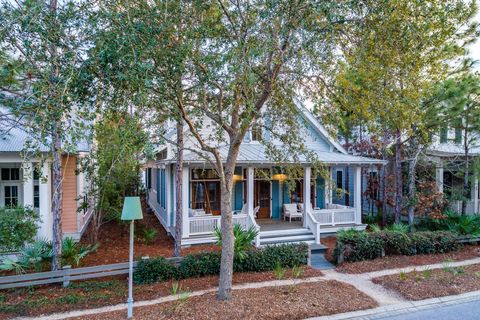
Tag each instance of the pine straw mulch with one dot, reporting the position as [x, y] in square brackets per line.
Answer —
[91, 294]
[419, 285]
[113, 241]
[390, 262]
[283, 302]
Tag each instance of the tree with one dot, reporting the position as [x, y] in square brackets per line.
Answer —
[229, 64]
[460, 109]
[393, 61]
[42, 44]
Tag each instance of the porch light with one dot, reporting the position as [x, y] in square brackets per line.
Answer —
[132, 210]
[280, 177]
[236, 177]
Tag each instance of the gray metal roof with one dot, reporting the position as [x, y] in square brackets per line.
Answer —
[255, 153]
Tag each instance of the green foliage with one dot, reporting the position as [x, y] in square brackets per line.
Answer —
[297, 271]
[464, 225]
[18, 226]
[37, 256]
[243, 239]
[208, 263]
[149, 235]
[279, 271]
[362, 245]
[398, 227]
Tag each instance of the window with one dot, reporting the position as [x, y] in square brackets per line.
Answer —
[36, 196]
[340, 179]
[458, 135]
[9, 174]
[256, 132]
[11, 196]
[206, 196]
[443, 135]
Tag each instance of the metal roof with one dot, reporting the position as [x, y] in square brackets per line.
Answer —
[254, 153]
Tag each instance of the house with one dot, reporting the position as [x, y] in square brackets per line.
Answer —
[447, 154]
[29, 183]
[261, 198]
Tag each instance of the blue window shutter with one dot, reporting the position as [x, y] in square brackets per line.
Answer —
[158, 186]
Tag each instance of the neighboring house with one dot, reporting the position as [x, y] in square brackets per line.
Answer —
[447, 154]
[261, 198]
[24, 183]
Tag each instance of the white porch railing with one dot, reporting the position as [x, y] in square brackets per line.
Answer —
[333, 215]
[313, 225]
[205, 225]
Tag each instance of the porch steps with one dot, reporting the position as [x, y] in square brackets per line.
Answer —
[286, 236]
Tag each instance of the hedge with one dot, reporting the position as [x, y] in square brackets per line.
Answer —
[208, 263]
[362, 245]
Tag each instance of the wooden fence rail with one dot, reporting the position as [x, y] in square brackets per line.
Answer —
[68, 274]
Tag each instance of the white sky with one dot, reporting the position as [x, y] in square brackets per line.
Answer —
[475, 48]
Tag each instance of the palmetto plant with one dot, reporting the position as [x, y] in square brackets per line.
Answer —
[398, 227]
[243, 239]
[462, 224]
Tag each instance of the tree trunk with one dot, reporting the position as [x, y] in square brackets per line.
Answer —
[228, 240]
[178, 190]
[56, 199]
[466, 193]
[411, 191]
[382, 195]
[398, 177]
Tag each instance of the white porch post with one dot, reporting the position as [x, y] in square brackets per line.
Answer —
[174, 201]
[45, 192]
[439, 178]
[28, 184]
[328, 188]
[250, 177]
[306, 193]
[185, 203]
[168, 202]
[358, 194]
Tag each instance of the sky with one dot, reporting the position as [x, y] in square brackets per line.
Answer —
[475, 48]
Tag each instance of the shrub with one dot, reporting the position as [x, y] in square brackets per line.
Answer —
[243, 239]
[18, 226]
[208, 263]
[158, 269]
[149, 235]
[356, 246]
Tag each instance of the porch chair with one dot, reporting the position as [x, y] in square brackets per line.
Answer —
[290, 210]
[243, 211]
[255, 211]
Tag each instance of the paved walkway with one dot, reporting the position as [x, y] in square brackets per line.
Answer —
[389, 301]
[318, 261]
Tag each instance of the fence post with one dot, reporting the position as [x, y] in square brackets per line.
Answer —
[66, 276]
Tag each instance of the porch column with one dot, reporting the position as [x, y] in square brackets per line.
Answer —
[439, 178]
[45, 192]
[174, 199]
[28, 184]
[185, 203]
[250, 177]
[357, 180]
[475, 195]
[168, 203]
[328, 188]
[306, 193]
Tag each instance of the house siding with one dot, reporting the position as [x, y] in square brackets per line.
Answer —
[69, 202]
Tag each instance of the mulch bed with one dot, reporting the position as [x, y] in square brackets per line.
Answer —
[390, 262]
[447, 281]
[91, 294]
[283, 302]
[113, 241]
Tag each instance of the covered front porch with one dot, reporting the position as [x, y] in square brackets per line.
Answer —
[260, 200]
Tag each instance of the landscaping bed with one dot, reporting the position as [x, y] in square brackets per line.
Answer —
[113, 242]
[419, 285]
[91, 294]
[282, 302]
[400, 261]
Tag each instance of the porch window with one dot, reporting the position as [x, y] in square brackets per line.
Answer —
[340, 179]
[296, 195]
[205, 190]
[36, 196]
[10, 174]
[11, 196]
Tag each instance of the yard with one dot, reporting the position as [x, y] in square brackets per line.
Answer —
[279, 302]
[419, 285]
